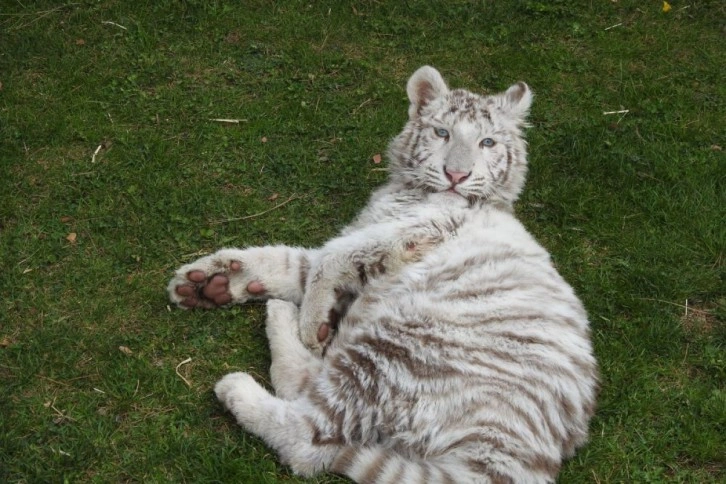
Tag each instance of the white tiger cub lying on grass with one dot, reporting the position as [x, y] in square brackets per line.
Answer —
[434, 340]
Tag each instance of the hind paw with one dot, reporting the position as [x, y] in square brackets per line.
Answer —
[244, 398]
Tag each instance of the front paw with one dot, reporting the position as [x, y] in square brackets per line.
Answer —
[321, 312]
[206, 283]
[196, 288]
[319, 318]
[317, 334]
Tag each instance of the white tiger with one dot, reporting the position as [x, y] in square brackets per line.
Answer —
[434, 340]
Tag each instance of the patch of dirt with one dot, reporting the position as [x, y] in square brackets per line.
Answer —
[698, 319]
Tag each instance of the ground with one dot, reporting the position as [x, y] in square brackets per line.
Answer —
[136, 136]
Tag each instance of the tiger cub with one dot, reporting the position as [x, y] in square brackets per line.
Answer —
[433, 340]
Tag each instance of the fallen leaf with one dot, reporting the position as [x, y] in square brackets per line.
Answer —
[125, 350]
[5, 342]
[71, 237]
[80, 42]
[377, 158]
[232, 38]
[264, 139]
[273, 197]
[666, 7]
[716, 147]
[66, 219]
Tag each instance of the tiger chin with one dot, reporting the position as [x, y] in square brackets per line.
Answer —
[433, 340]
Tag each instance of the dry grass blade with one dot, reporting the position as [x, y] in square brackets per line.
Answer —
[188, 360]
[247, 217]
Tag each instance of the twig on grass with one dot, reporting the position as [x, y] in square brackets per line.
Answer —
[105, 144]
[622, 112]
[613, 26]
[108, 22]
[188, 360]
[93, 158]
[61, 415]
[228, 120]
[247, 217]
[355, 111]
[684, 306]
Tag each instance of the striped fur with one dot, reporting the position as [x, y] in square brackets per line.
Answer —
[459, 353]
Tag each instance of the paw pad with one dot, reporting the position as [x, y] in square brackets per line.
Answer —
[256, 288]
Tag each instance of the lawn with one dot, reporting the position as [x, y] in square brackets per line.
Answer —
[116, 166]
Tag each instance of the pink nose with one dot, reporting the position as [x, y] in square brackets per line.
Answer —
[456, 177]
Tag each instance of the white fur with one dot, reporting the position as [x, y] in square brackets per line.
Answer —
[261, 264]
[464, 357]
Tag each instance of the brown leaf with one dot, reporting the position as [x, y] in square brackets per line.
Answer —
[232, 38]
[264, 139]
[5, 342]
[273, 197]
[377, 158]
[80, 42]
[72, 237]
[66, 219]
[125, 350]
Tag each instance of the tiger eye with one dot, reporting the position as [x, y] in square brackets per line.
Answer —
[441, 132]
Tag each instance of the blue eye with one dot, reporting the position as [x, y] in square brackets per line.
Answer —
[488, 142]
[441, 132]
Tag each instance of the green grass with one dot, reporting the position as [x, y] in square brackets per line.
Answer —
[632, 207]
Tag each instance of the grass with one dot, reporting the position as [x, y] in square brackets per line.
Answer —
[632, 207]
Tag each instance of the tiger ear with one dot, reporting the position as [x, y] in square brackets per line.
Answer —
[425, 85]
[517, 100]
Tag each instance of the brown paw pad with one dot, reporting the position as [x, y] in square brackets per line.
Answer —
[256, 288]
[186, 290]
[217, 289]
[323, 332]
[196, 276]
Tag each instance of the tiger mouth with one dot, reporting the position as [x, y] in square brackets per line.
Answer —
[455, 191]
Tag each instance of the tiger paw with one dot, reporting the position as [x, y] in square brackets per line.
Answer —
[319, 318]
[213, 281]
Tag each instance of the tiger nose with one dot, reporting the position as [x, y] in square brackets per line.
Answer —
[456, 177]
